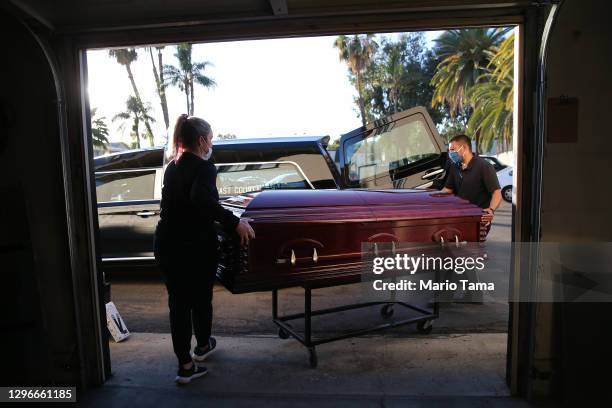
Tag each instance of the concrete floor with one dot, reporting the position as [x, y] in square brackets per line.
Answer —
[373, 371]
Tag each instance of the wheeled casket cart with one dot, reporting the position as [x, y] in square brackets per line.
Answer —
[322, 238]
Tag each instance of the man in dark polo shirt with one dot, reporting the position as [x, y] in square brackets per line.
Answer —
[472, 178]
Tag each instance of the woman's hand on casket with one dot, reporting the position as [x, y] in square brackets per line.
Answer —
[245, 232]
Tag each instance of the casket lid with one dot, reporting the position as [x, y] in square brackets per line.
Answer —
[354, 197]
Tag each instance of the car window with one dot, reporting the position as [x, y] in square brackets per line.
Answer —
[125, 185]
[135, 159]
[239, 178]
[393, 147]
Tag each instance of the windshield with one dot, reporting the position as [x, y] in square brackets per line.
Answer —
[391, 148]
[240, 178]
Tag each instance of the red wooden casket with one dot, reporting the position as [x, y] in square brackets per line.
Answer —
[315, 237]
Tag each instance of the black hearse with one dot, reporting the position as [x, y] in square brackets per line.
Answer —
[403, 150]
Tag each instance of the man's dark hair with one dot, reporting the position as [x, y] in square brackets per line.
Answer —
[463, 139]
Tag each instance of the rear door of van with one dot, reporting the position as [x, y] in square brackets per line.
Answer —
[403, 150]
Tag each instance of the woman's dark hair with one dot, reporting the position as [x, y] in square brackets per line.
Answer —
[187, 133]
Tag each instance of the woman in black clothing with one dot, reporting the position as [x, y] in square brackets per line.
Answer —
[186, 246]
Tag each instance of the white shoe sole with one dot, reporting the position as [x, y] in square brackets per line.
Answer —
[187, 380]
[199, 359]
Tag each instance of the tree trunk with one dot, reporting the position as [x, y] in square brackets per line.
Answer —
[137, 95]
[191, 94]
[137, 131]
[186, 86]
[161, 87]
[360, 101]
[395, 97]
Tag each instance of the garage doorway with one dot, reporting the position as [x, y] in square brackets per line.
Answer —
[141, 298]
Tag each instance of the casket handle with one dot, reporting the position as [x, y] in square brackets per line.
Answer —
[459, 243]
[441, 240]
[375, 249]
[293, 259]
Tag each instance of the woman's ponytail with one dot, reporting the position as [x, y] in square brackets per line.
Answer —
[187, 131]
[177, 142]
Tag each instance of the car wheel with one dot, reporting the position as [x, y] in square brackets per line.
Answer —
[507, 193]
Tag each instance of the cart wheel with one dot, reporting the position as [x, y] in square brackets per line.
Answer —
[425, 326]
[312, 357]
[283, 334]
[387, 311]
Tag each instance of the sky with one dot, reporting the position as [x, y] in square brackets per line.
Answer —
[264, 88]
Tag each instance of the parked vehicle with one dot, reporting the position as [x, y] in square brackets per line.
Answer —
[403, 150]
[505, 181]
[128, 185]
[494, 161]
[287, 181]
[504, 175]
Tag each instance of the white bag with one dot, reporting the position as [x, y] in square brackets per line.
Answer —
[115, 323]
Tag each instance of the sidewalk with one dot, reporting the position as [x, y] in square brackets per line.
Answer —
[444, 370]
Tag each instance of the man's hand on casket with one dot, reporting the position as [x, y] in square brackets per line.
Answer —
[487, 215]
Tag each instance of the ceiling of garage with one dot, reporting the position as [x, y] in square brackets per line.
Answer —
[81, 16]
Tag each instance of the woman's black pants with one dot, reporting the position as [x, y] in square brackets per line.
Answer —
[189, 277]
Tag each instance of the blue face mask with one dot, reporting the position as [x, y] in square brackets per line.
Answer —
[455, 156]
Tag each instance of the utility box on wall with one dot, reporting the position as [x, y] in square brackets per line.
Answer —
[562, 120]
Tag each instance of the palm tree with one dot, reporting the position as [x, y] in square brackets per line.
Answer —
[136, 112]
[99, 130]
[394, 71]
[186, 74]
[493, 98]
[358, 52]
[464, 56]
[125, 57]
[160, 85]
[399, 77]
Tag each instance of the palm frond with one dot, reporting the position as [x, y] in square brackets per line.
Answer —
[173, 76]
[201, 66]
[204, 80]
[122, 115]
[465, 55]
[124, 56]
